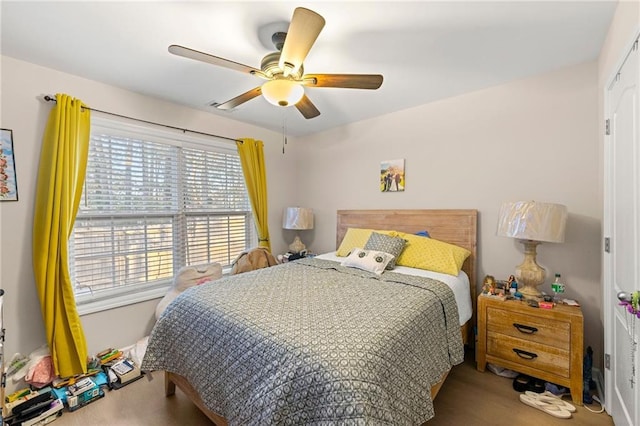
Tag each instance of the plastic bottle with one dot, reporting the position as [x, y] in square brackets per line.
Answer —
[557, 286]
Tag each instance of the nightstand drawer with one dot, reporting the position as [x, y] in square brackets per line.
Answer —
[530, 354]
[529, 327]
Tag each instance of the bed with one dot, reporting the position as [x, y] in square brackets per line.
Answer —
[259, 348]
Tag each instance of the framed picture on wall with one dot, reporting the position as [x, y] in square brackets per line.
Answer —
[8, 182]
[392, 178]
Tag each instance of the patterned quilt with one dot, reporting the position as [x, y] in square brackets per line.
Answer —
[311, 342]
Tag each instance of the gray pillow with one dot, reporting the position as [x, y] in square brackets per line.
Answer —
[387, 244]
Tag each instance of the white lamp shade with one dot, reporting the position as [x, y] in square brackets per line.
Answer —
[282, 92]
[531, 220]
[297, 218]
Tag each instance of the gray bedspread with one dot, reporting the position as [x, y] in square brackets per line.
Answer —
[311, 342]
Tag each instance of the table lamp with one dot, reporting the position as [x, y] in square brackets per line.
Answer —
[532, 223]
[298, 218]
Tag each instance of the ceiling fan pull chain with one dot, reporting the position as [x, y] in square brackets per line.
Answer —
[284, 130]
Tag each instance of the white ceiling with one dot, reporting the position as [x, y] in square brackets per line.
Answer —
[425, 50]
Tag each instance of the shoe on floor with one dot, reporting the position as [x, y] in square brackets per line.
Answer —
[521, 382]
[550, 408]
[555, 389]
[535, 385]
[549, 397]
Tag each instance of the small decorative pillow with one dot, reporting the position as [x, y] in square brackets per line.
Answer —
[356, 237]
[387, 244]
[368, 260]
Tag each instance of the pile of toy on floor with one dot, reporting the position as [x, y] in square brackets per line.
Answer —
[41, 397]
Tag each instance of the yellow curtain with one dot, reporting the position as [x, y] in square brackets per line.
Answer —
[252, 159]
[63, 163]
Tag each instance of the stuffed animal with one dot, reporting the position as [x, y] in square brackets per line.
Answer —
[189, 276]
[256, 258]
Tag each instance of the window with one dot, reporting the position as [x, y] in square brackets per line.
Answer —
[154, 201]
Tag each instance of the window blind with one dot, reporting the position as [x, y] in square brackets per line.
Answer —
[150, 207]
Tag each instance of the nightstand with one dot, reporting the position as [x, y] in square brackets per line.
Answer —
[542, 343]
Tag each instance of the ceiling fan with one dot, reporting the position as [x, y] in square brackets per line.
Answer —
[284, 70]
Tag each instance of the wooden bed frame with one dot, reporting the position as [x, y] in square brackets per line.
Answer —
[457, 227]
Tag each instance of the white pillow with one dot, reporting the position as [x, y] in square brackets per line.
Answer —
[189, 276]
[368, 260]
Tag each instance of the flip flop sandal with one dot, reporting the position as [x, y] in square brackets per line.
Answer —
[521, 382]
[551, 409]
[549, 397]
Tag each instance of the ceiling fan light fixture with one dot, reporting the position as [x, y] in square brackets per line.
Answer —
[282, 92]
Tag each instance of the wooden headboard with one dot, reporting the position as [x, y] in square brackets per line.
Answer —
[457, 227]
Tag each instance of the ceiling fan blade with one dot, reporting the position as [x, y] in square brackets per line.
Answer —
[240, 99]
[348, 81]
[302, 33]
[307, 108]
[215, 60]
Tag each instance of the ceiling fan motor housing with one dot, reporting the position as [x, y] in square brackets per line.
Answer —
[270, 67]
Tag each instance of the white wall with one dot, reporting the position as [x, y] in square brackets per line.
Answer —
[23, 111]
[534, 139]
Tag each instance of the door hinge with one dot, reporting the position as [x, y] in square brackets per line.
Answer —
[607, 244]
[607, 361]
[607, 127]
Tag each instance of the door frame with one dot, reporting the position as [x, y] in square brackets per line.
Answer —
[607, 287]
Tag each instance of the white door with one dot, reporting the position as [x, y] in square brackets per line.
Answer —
[622, 226]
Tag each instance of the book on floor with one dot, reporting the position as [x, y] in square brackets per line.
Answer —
[122, 372]
[122, 367]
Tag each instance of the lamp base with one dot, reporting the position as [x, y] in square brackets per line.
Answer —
[529, 274]
[296, 246]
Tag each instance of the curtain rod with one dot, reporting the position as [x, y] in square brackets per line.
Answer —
[50, 98]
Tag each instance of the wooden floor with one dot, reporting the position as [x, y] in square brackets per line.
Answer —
[466, 398]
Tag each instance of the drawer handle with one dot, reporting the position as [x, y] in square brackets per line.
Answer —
[526, 329]
[525, 354]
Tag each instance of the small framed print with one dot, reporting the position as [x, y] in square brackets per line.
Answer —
[392, 178]
[8, 181]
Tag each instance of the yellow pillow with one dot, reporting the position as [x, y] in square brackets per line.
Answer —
[356, 238]
[433, 255]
